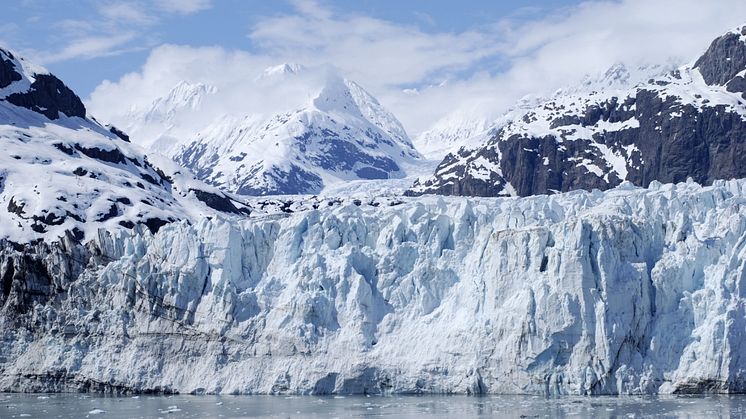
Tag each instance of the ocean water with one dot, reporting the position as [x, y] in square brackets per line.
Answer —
[461, 407]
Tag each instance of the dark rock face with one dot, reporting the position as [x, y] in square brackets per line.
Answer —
[461, 181]
[110, 156]
[36, 273]
[523, 166]
[341, 155]
[119, 133]
[218, 202]
[725, 58]
[49, 96]
[155, 224]
[371, 173]
[672, 143]
[8, 73]
[651, 134]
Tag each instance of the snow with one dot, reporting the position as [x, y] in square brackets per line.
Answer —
[626, 291]
[156, 126]
[281, 70]
[691, 89]
[616, 160]
[27, 70]
[455, 130]
[482, 168]
[53, 182]
[331, 131]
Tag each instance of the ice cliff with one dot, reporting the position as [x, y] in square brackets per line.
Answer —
[625, 291]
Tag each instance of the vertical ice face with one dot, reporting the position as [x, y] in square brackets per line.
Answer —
[626, 291]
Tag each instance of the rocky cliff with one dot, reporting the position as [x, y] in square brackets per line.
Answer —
[688, 123]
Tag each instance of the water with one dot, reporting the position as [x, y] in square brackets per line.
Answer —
[462, 407]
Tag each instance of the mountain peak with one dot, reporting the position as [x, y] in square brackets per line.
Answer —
[63, 173]
[11, 63]
[280, 70]
[623, 126]
[32, 87]
[324, 130]
[724, 61]
[185, 92]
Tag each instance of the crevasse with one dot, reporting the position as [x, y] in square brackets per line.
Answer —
[626, 291]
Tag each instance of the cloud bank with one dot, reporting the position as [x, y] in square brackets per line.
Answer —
[422, 74]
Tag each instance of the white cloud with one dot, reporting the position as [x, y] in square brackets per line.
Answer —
[538, 55]
[243, 88]
[487, 68]
[168, 65]
[87, 47]
[126, 12]
[184, 7]
[367, 49]
[117, 27]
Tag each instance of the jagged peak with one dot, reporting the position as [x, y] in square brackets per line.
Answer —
[28, 69]
[280, 70]
[187, 94]
[185, 89]
[619, 76]
[183, 95]
[344, 96]
[724, 59]
[31, 86]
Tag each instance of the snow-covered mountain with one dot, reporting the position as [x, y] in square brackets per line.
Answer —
[455, 130]
[690, 122]
[64, 173]
[337, 132]
[159, 121]
[470, 127]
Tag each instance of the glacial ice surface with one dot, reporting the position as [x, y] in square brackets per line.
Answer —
[627, 291]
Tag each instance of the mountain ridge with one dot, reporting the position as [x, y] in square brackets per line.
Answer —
[339, 132]
[667, 129]
[63, 173]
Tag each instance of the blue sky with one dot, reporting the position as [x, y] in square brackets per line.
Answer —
[41, 28]
[421, 58]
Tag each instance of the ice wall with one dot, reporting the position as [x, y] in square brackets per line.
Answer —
[626, 291]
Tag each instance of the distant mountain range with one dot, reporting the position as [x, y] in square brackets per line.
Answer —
[689, 122]
[340, 133]
[636, 125]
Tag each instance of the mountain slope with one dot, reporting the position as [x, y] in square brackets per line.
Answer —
[337, 133]
[63, 173]
[451, 132]
[688, 123]
[159, 120]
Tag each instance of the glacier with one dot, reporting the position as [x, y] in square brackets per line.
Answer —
[627, 291]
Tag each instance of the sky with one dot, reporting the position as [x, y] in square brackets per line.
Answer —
[423, 59]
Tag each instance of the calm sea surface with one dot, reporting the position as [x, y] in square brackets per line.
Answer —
[461, 407]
